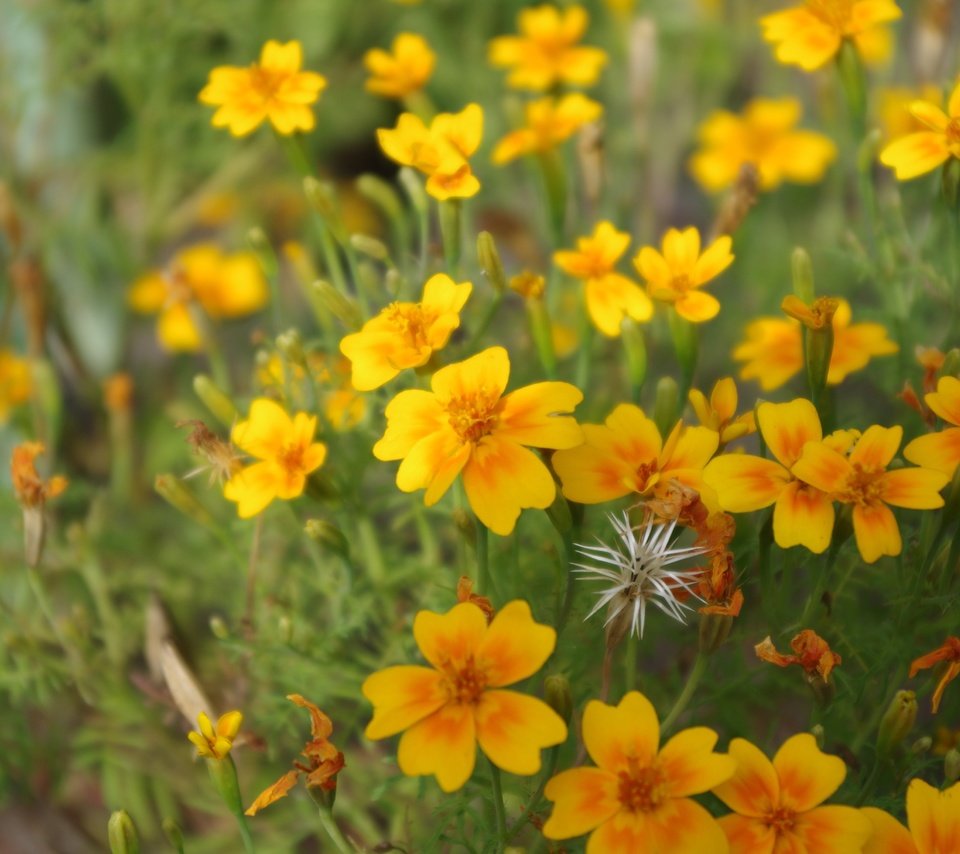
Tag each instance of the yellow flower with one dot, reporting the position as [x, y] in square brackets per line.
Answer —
[216, 743]
[548, 122]
[720, 412]
[546, 53]
[30, 489]
[918, 153]
[610, 295]
[15, 382]
[448, 708]
[893, 108]
[932, 816]
[285, 453]
[466, 424]
[440, 152]
[274, 88]
[676, 276]
[778, 805]
[811, 34]
[773, 349]
[763, 135]
[638, 797]
[405, 334]
[405, 69]
[940, 451]
[223, 286]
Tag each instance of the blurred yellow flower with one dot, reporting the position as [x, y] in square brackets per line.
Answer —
[404, 69]
[405, 334]
[676, 275]
[933, 817]
[719, 413]
[440, 152]
[940, 451]
[548, 122]
[329, 375]
[285, 454]
[273, 89]
[811, 34]
[546, 53]
[223, 286]
[16, 383]
[610, 295]
[922, 152]
[763, 135]
[893, 108]
[215, 743]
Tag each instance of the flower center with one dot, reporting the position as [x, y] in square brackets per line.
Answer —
[681, 282]
[781, 820]
[473, 416]
[466, 682]
[640, 788]
[409, 320]
[644, 473]
[290, 458]
[863, 487]
[953, 131]
[835, 13]
[265, 82]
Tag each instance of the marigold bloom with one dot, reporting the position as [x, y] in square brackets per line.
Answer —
[763, 135]
[610, 295]
[773, 349]
[440, 152]
[949, 652]
[547, 53]
[548, 123]
[811, 652]
[223, 286]
[215, 743]
[406, 68]
[16, 383]
[777, 805]
[638, 796]
[676, 275]
[405, 334]
[457, 702]
[861, 479]
[918, 153]
[893, 109]
[932, 816]
[940, 451]
[719, 413]
[30, 489]
[466, 424]
[285, 453]
[323, 758]
[626, 454]
[811, 34]
[273, 89]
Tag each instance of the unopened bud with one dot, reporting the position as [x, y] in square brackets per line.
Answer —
[175, 492]
[921, 746]
[464, 523]
[290, 345]
[220, 406]
[897, 721]
[322, 198]
[556, 690]
[635, 349]
[327, 534]
[823, 689]
[490, 261]
[173, 833]
[370, 246]
[218, 628]
[413, 185]
[818, 733]
[382, 194]
[336, 304]
[559, 513]
[951, 766]
[665, 404]
[284, 629]
[122, 834]
[714, 631]
[394, 282]
[686, 345]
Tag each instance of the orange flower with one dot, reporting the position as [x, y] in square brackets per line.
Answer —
[720, 412]
[548, 122]
[778, 805]
[448, 708]
[638, 797]
[940, 451]
[812, 653]
[405, 69]
[949, 651]
[918, 153]
[861, 479]
[31, 490]
[933, 818]
[324, 760]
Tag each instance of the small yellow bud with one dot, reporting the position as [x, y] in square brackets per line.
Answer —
[490, 262]
[951, 766]
[897, 721]
[122, 834]
[370, 246]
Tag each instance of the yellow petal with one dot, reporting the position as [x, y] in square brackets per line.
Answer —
[888, 835]
[822, 467]
[443, 744]
[266, 431]
[833, 829]
[714, 260]
[450, 639]
[697, 306]
[614, 733]
[401, 696]
[488, 370]
[584, 798]
[513, 728]
[747, 834]
[436, 458]
[689, 764]
[411, 415]
[915, 488]
[514, 645]
[787, 427]
[744, 483]
[939, 451]
[876, 532]
[945, 401]
[934, 817]
[915, 154]
[680, 826]
[803, 516]
[807, 775]
[176, 330]
[148, 294]
[253, 488]
[877, 446]
[754, 789]
[538, 415]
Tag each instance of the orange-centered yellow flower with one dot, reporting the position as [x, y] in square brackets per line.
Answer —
[610, 295]
[940, 451]
[949, 652]
[626, 455]
[457, 702]
[676, 275]
[933, 818]
[285, 453]
[15, 382]
[405, 334]
[273, 89]
[811, 34]
[861, 479]
[765, 136]
[215, 743]
[405, 69]
[547, 53]
[440, 152]
[202, 277]
[719, 413]
[922, 152]
[777, 805]
[466, 424]
[638, 797]
[547, 123]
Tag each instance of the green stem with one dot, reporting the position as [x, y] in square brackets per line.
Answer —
[451, 232]
[483, 558]
[534, 799]
[334, 832]
[92, 573]
[245, 834]
[693, 679]
[498, 809]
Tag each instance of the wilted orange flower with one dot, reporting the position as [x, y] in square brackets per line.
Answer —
[324, 761]
[465, 594]
[466, 424]
[676, 276]
[285, 454]
[273, 89]
[405, 334]
[15, 382]
[719, 413]
[215, 743]
[940, 451]
[918, 153]
[458, 702]
[811, 652]
[764, 135]
[816, 315]
[933, 818]
[547, 53]
[548, 122]
[223, 461]
[778, 805]
[610, 295]
[30, 489]
[405, 69]
[811, 34]
[948, 652]
[638, 798]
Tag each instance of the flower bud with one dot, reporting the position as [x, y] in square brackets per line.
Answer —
[823, 689]
[951, 766]
[464, 523]
[897, 721]
[818, 733]
[413, 185]
[175, 492]
[382, 194]
[122, 834]
[490, 261]
[224, 775]
[921, 746]
[336, 304]
[556, 690]
[323, 199]
[635, 349]
[173, 833]
[370, 246]
[541, 329]
[686, 344]
[714, 630]
[327, 534]
[559, 513]
[850, 68]
[220, 406]
[665, 404]
[218, 628]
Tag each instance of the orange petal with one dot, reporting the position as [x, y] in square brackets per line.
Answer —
[877, 446]
[787, 427]
[914, 488]
[745, 834]
[754, 789]
[916, 154]
[443, 744]
[951, 673]
[803, 516]
[833, 829]
[514, 646]
[584, 798]
[888, 835]
[538, 415]
[678, 826]
[822, 467]
[401, 696]
[689, 764]
[613, 733]
[513, 728]
[939, 451]
[876, 531]
[451, 639]
[273, 792]
[807, 775]
[744, 483]
[934, 817]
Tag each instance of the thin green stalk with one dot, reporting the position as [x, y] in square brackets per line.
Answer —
[534, 799]
[93, 577]
[451, 232]
[245, 834]
[693, 679]
[483, 558]
[334, 832]
[498, 809]
[825, 568]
